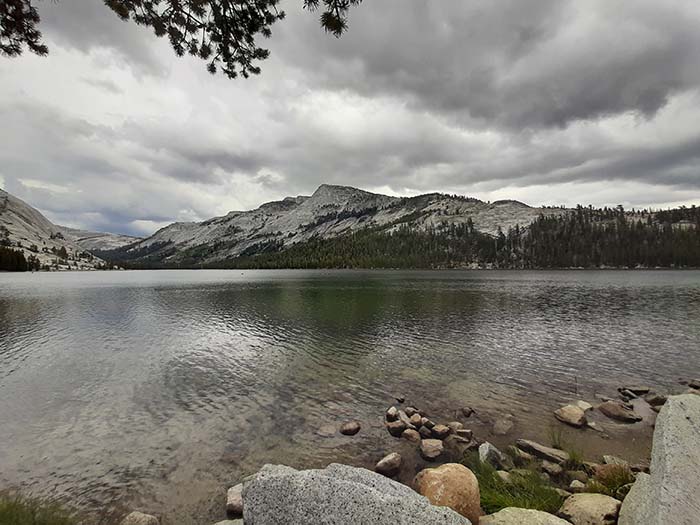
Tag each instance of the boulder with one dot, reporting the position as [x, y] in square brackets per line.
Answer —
[454, 426]
[613, 460]
[491, 455]
[584, 405]
[411, 435]
[416, 420]
[451, 485]
[551, 454]
[431, 449]
[670, 493]
[590, 509]
[396, 428]
[465, 433]
[440, 431]
[425, 433]
[139, 518]
[571, 415]
[577, 486]
[655, 400]
[553, 469]
[618, 411]
[389, 465]
[350, 428]
[467, 411]
[502, 427]
[516, 516]
[392, 414]
[336, 494]
[234, 501]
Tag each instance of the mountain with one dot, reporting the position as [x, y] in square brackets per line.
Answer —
[97, 241]
[24, 228]
[332, 211]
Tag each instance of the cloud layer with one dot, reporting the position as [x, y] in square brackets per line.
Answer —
[550, 102]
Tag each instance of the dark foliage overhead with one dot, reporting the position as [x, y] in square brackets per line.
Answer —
[224, 33]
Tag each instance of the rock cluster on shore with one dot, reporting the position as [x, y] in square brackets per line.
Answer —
[605, 493]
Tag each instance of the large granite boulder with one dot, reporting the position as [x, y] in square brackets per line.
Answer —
[451, 485]
[338, 494]
[590, 509]
[515, 516]
[671, 494]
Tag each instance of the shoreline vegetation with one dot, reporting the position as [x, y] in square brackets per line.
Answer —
[526, 482]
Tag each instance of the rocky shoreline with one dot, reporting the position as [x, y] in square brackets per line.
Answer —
[475, 480]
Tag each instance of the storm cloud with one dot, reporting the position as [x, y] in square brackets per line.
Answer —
[549, 102]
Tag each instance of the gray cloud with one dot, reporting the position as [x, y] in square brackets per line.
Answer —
[552, 100]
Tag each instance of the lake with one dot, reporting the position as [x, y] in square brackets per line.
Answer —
[160, 389]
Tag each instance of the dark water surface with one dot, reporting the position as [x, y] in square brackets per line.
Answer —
[160, 388]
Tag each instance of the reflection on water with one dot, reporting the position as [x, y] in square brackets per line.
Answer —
[161, 388]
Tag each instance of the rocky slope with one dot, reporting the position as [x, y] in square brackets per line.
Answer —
[97, 241]
[331, 211]
[24, 228]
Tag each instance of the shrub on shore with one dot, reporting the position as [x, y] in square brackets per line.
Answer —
[526, 489]
[18, 510]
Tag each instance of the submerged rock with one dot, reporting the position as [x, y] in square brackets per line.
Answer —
[618, 411]
[552, 454]
[389, 465]
[515, 516]
[431, 449]
[336, 494]
[350, 428]
[571, 415]
[467, 411]
[139, 518]
[234, 501]
[502, 427]
[655, 400]
[451, 485]
[590, 509]
[670, 493]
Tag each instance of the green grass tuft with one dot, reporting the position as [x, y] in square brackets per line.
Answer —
[18, 510]
[610, 480]
[527, 490]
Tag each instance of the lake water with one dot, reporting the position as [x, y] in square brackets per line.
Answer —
[159, 389]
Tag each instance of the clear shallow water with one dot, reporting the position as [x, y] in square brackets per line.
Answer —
[160, 388]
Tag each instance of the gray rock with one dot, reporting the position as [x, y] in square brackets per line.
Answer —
[670, 493]
[403, 417]
[584, 405]
[338, 494]
[411, 411]
[396, 428]
[590, 509]
[234, 501]
[655, 400]
[551, 454]
[467, 411]
[425, 433]
[579, 475]
[571, 415]
[454, 426]
[428, 423]
[494, 457]
[350, 428]
[465, 433]
[553, 469]
[504, 476]
[392, 414]
[431, 449]
[411, 435]
[576, 486]
[614, 460]
[416, 420]
[619, 411]
[440, 431]
[516, 516]
[694, 383]
[389, 465]
[139, 518]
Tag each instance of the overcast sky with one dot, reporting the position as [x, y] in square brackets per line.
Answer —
[546, 101]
